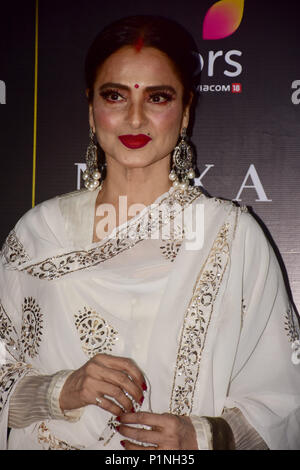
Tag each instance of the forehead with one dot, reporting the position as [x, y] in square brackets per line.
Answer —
[149, 66]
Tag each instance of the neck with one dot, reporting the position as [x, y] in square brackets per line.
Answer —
[139, 185]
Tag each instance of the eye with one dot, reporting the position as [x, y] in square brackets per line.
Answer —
[160, 97]
[112, 96]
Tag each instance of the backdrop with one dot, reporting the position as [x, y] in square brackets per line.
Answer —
[247, 129]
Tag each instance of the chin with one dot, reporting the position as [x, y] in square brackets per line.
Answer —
[135, 161]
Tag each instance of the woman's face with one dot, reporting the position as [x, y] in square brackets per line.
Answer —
[137, 110]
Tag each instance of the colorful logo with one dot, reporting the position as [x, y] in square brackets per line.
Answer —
[223, 19]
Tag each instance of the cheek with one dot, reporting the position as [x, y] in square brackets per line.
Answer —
[105, 119]
[168, 119]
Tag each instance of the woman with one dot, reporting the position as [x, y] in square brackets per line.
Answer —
[140, 313]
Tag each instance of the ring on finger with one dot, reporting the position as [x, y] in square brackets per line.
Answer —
[99, 401]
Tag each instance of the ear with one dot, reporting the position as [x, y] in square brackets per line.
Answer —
[186, 112]
[91, 118]
[91, 115]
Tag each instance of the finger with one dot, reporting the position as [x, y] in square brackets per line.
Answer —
[155, 420]
[122, 380]
[93, 388]
[122, 364]
[109, 405]
[141, 435]
[116, 393]
[131, 446]
[119, 378]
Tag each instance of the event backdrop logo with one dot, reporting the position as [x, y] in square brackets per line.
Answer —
[252, 175]
[2, 92]
[296, 94]
[223, 19]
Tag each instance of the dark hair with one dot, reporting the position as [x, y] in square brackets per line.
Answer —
[155, 31]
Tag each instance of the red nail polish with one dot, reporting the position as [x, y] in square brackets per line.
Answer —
[141, 400]
[144, 386]
[118, 428]
[118, 418]
[122, 443]
[132, 410]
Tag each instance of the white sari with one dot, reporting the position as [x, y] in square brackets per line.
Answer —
[210, 326]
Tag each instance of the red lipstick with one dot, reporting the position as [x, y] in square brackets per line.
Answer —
[134, 141]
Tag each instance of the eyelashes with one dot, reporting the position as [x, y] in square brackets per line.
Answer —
[157, 97]
[167, 97]
[111, 95]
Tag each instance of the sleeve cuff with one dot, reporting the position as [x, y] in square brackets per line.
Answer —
[203, 432]
[53, 394]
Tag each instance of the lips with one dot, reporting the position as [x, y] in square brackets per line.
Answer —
[135, 141]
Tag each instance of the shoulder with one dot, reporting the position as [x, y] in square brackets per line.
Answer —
[253, 243]
[40, 229]
[78, 194]
[76, 201]
[226, 204]
[40, 215]
[247, 226]
[221, 206]
[252, 230]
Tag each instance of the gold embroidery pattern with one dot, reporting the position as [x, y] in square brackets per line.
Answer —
[196, 323]
[224, 201]
[9, 374]
[242, 208]
[50, 442]
[171, 246]
[291, 326]
[8, 335]
[13, 250]
[95, 334]
[32, 325]
[170, 249]
[109, 431]
[126, 237]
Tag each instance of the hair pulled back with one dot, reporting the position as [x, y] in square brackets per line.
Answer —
[154, 31]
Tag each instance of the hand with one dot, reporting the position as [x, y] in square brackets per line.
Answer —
[170, 432]
[104, 375]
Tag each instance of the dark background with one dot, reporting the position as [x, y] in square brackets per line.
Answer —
[260, 126]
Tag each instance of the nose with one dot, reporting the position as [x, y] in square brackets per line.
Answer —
[136, 114]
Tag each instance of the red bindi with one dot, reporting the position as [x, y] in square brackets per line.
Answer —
[139, 44]
[136, 86]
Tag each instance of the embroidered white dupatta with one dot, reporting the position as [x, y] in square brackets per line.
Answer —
[215, 322]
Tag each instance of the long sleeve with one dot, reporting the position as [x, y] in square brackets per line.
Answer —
[245, 436]
[265, 377]
[258, 387]
[231, 431]
[13, 366]
[27, 394]
[36, 397]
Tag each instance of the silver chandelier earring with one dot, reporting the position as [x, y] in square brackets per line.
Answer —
[182, 169]
[91, 175]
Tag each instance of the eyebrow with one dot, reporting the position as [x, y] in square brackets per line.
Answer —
[148, 88]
